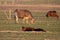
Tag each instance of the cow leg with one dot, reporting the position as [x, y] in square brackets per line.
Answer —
[16, 18]
[32, 21]
[25, 19]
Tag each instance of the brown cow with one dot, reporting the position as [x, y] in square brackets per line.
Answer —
[32, 29]
[24, 14]
[52, 14]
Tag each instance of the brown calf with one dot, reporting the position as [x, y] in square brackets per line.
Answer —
[32, 29]
[52, 14]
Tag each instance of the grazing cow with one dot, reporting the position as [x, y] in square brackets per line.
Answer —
[52, 14]
[24, 14]
[32, 29]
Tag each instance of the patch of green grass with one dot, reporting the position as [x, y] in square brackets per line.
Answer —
[29, 36]
[49, 24]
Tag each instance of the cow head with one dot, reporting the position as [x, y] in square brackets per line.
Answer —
[32, 21]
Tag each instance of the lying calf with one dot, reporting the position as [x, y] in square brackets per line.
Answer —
[32, 29]
[39, 29]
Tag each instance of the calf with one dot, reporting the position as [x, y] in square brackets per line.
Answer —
[32, 29]
[52, 14]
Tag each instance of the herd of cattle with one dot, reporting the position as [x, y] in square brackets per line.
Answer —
[27, 16]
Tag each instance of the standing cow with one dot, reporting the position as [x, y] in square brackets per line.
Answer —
[52, 14]
[24, 14]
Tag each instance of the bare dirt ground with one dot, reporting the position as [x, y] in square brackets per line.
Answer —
[33, 5]
[26, 31]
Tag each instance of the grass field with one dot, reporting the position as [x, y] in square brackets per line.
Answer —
[9, 30]
[29, 36]
[51, 25]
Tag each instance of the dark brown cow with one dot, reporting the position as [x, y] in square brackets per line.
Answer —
[32, 29]
[24, 14]
[52, 14]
